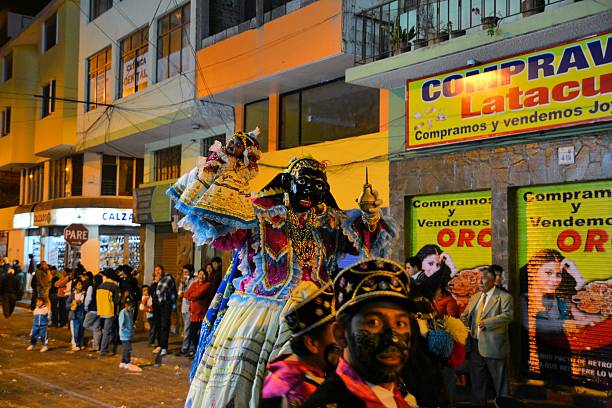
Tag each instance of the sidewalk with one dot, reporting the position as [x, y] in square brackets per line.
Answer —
[63, 378]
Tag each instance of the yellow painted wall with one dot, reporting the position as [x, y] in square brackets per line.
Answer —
[60, 63]
[18, 146]
[304, 36]
[347, 160]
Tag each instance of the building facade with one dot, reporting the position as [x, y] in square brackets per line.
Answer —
[500, 138]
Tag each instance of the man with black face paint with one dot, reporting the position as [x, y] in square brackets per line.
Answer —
[374, 324]
[298, 235]
[294, 377]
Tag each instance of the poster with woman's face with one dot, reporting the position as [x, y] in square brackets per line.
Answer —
[564, 255]
[459, 226]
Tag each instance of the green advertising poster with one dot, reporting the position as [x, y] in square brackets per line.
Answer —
[564, 257]
[459, 224]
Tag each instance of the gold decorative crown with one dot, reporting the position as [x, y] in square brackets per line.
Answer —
[306, 162]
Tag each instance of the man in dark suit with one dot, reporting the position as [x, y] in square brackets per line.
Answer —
[487, 316]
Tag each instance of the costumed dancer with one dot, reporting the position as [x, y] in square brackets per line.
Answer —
[298, 235]
[294, 377]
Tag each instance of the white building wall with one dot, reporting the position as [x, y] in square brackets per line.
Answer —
[162, 100]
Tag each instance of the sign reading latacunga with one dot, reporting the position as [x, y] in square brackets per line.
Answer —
[561, 86]
[564, 256]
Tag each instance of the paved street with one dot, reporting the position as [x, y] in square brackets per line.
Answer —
[62, 378]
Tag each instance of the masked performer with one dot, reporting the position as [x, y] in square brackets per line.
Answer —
[298, 235]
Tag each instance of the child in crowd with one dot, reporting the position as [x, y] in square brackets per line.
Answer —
[126, 330]
[39, 325]
[76, 315]
[146, 306]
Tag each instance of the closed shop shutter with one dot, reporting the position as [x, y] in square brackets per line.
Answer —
[166, 248]
[564, 256]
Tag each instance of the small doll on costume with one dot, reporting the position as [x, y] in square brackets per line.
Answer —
[219, 184]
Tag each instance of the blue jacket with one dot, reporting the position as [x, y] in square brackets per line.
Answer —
[41, 316]
[126, 325]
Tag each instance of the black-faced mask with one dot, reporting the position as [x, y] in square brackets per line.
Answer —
[365, 347]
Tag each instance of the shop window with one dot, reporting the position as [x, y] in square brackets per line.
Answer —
[173, 48]
[99, 84]
[256, 114]
[50, 33]
[207, 143]
[48, 99]
[6, 121]
[119, 246]
[77, 175]
[59, 177]
[33, 184]
[99, 7]
[109, 175]
[326, 112]
[7, 67]
[133, 62]
[126, 176]
[167, 163]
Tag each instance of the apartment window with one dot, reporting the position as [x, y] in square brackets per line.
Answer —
[173, 50]
[109, 175]
[59, 177]
[6, 121]
[99, 7]
[99, 84]
[167, 163]
[77, 175]
[256, 114]
[330, 111]
[207, 143]
[121, 175]
[33, 184]
[134, 62]
[48, 99]
[7, 67]
[50, 33]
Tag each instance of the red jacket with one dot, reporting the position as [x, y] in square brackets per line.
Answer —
[199, 294]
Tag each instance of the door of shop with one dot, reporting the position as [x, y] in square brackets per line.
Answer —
[166, 248]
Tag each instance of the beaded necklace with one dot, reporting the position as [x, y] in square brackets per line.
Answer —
[300, 233]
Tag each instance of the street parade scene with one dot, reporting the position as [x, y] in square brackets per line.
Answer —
[306, 203]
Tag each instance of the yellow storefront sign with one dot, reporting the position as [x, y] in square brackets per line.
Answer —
[560, 86]
[564, 256]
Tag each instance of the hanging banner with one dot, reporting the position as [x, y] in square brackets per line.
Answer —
[564, 256]
[555, 87]
[460, 226]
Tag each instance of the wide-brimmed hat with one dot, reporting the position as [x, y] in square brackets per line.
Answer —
[314, 309]
[373, 278]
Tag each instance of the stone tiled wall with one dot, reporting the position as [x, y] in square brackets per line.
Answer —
[498, 169]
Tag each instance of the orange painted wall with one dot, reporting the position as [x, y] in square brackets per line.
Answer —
[304, 36]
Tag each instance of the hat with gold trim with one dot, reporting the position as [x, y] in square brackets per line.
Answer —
[369, 279]
[313, 309]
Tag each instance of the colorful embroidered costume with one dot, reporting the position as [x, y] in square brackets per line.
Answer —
[282, 249]
[290, 380]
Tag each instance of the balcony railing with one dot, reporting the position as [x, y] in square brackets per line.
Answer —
[398, 26]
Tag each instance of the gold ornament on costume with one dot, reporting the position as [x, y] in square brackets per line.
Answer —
[300, 233]
[366, 202]
[306, 162]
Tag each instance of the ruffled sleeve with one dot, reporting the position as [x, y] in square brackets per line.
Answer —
[359, 240]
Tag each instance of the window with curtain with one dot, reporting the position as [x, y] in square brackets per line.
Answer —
[174, 53]
[256, 114]
[99, 84]
[99, 7]
[33, 184]
[167, 163]
[133, 62]
[329, 111]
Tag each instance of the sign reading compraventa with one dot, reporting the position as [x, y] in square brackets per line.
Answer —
[564, 257]
[560, 86]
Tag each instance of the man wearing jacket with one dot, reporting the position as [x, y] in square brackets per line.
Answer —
[487, 316]
[107, 299]
[166, 294]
